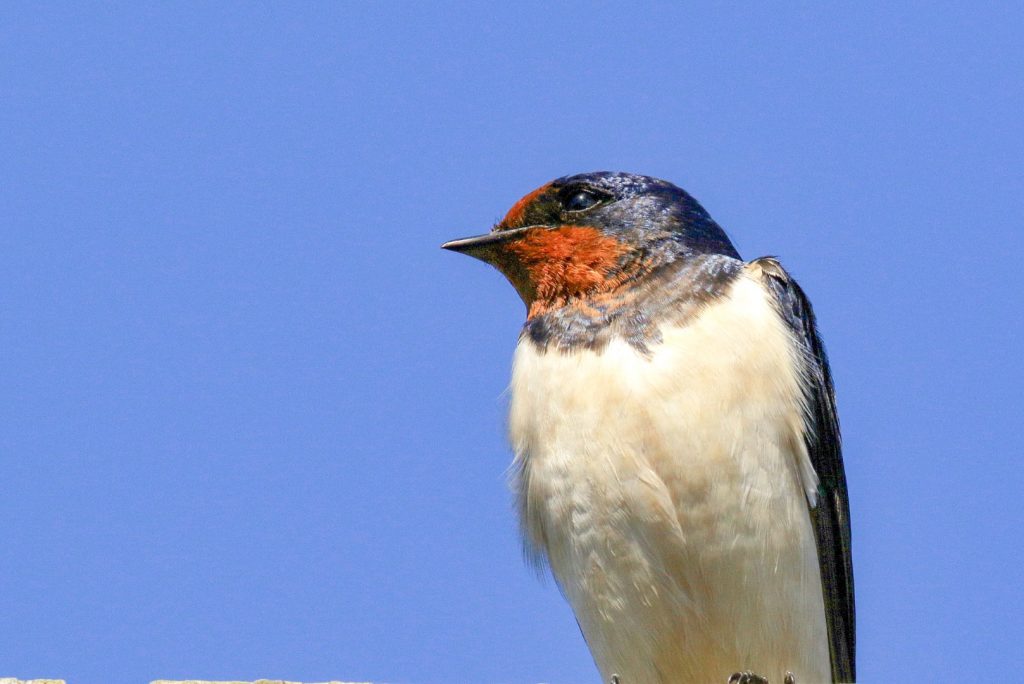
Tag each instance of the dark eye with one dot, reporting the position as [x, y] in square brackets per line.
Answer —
[581, 200]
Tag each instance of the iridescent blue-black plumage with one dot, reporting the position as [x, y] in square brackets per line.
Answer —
[662, 220]
[672, 292]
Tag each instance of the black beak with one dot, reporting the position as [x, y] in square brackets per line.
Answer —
[483, 246]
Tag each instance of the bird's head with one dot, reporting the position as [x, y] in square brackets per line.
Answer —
[594, 233]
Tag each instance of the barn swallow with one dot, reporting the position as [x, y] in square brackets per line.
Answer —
[677, 457]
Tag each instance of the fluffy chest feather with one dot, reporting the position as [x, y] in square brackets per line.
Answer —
[668, 493]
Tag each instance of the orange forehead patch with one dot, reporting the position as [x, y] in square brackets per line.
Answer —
[515, 215]
[565, 262]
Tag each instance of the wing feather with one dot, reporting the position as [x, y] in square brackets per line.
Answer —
[830, 515]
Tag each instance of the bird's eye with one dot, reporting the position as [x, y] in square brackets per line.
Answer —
[581, 200]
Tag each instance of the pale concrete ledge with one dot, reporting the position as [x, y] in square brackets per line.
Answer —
[203, 681]
[11, 680]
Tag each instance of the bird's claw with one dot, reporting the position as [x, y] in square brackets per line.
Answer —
[751, 678]
[747, 678]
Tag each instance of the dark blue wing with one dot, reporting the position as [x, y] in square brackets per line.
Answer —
[830, 517]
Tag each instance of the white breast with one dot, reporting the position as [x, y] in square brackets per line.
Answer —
[668, 494]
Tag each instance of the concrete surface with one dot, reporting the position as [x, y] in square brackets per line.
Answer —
[258, 681]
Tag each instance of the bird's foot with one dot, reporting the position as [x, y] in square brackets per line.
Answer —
[747, 678]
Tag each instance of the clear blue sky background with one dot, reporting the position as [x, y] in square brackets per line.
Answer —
[251, 417]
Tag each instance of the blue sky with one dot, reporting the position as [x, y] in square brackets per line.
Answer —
[251, 417]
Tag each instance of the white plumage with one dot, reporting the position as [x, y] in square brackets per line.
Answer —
[669, 494]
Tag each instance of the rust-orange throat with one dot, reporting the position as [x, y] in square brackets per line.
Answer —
[551, 266]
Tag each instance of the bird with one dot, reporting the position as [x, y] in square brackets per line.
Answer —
[676, 447]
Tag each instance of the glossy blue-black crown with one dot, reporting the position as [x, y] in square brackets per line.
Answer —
[649, 212]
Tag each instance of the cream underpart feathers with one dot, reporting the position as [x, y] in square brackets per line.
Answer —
[669, 493]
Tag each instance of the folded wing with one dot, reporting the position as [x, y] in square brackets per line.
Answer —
[830, 514]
